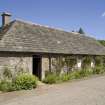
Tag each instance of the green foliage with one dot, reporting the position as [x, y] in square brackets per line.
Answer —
[22, 81]
[66, 77]
[59, 62]
[70, 61]
[102, 42]
[99, 70]
[54, 78]
[18, 81]
[70, 76]
[86, 63]
[77, 75]
[6, 86]
[7, 72]
[99, 60]
[85, 72]
[51, 78]
[81, 31]
[25, 81]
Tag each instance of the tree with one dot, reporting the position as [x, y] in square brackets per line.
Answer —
[102, 42]
[81, 31]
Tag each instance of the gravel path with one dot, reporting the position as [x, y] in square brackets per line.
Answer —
[83, 92]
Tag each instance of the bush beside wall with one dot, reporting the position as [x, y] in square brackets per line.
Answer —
[25, 81]
[18, 82]
[76, 74]
[51, 78]
[6, 86]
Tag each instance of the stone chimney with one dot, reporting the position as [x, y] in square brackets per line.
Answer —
[6, 18]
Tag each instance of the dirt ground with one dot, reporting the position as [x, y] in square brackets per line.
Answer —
[90, 91]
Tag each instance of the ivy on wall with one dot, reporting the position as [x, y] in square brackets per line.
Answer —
[63, 63]
[86, 62]
[68, 63]
[99, 60]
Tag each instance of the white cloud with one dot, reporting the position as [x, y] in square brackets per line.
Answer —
[103, 15]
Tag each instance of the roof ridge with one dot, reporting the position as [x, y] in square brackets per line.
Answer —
[36, 24]
[45, 26]
[57, 29]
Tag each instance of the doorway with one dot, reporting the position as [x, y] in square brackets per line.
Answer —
[37, 66]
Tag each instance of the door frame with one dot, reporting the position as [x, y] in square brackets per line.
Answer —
[38, 73]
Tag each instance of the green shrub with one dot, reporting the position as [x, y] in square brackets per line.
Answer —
[22, 81]
[51, 78]
[6, 86]
[70, 76]
[25, 81]
[65, 77]
[99, 70]
[99, 61]
[89, 72]
[86, 63]
[85, 72]
[76, 75]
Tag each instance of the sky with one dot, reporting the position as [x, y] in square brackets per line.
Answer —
[67, 15]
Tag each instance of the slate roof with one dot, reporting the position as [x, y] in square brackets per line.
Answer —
[21, 36]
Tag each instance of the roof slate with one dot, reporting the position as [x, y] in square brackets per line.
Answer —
[24, 37]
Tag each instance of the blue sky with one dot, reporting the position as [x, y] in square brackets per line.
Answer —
[64, 14]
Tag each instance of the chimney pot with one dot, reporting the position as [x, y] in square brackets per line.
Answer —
[6, 18]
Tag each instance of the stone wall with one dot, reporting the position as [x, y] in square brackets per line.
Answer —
[62, 63]
[51, 63]
[45, 65]
[15, 62]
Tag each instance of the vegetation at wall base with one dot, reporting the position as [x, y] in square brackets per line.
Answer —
[51, 78]
[68, 64]
[6, 86]
[76, 74]
[23, 81]
[99, 70]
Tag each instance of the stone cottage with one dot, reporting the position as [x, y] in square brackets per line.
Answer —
[38, 49]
